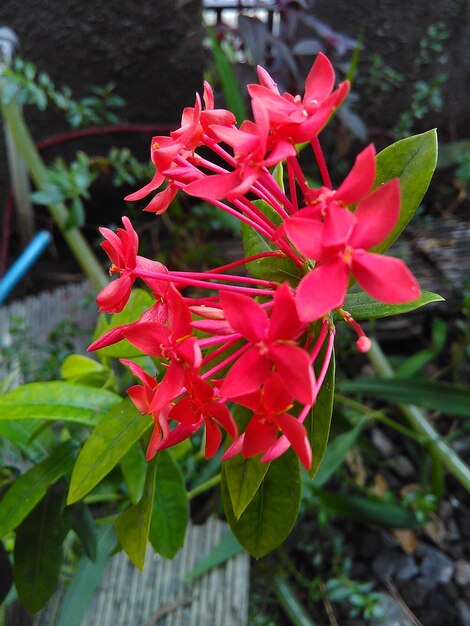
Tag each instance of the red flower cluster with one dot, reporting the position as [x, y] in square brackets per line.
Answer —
[249, 341]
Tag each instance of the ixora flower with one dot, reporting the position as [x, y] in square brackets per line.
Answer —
[261, 339]
[337, 239]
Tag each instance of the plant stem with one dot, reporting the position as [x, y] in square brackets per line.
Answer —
[291, 605]
[85, 256]
[420, 424]
[212, 482]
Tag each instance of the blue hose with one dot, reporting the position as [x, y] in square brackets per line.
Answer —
[22, 264]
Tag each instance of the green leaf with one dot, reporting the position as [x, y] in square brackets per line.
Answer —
[38, 552]
[368, 511]
[277, 269]
[107, 444]
[413, 160]
[139, 302]
[230, 85]
[170, 512]
[446, 397]
[134, 470]
[6, 574]
[243, 476]
[31, 486]
[19, 433]
[227, 548]
[57, 401]
[318, 421]
[85, 580]
[82, 522]
[80, 369]
[132, 526]
[363, 307]
[336, 453]
[270, 516]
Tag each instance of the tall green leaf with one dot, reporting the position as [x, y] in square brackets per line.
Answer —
[412, 160]
[227, 548]
[318, 421]
[230, 86]
[38, 552]
[132, 526]
[105, 447]
[446, 397]
[269, 517]
[6, 574]
[82, 522]
[134, 469]
[57, 401]
[170, 512]
[30, 487]
[85, 580]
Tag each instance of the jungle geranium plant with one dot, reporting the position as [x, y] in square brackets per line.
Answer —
[238, 360]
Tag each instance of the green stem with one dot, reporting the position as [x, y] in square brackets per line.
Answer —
[420, 424]
[85, 256]
[293, 608]
[212, 482]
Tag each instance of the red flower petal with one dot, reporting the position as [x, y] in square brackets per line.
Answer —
[385, 278]
[222, 415]
[213, 438]
[306, 235]
[260, 434]
[376, 216]
[246, 375]
[322, 290]
[284, 323]
[293, 365]
[244, 315]
[360, 179]
[295, 433]
[320, 81]
[214, 187]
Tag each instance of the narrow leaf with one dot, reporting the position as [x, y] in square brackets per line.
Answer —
[57, 401]
[446, 397]
[31, 486]
[38, 552]
[132, 526]
[6, 574]
[85, 580]
[363, 307]
[170, 512]
[227, 548]
[105, 447]
[368, 511]
[318, 422]
[336, 453]
[82, 522]
[413, 160]
[269, 517]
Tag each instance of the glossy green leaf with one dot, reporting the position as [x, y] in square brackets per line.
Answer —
[318, 421]
[132, 526]
[109, 441]
[367, 510]
[446, 397]
[269, 268]
[19, 433]
[57, 401]
[82, 522]
[336, 453]
[363, 307]
[85, 581]
[139, 302]
[38, 552]
[6, 574]
[270, 516]
[227, 548]
[134, 470]
[243, 476]
[413, 160]
[30, 487]
[80, 369]
[170, 512]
